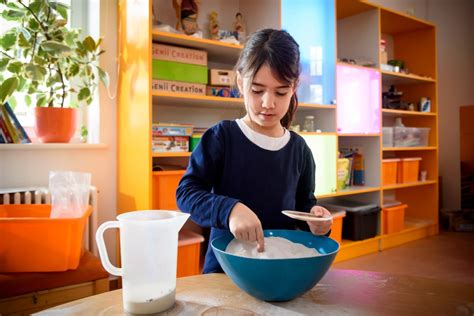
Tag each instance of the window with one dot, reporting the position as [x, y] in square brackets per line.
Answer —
[83, 14]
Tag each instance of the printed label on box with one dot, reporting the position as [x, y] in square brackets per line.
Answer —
[170, 144]
[159, 129]
[179, 54]
[178, 87]
[221, 77]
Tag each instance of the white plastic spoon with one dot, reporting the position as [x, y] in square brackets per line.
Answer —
[304, 216]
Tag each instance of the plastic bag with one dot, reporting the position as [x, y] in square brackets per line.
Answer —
[69, 193]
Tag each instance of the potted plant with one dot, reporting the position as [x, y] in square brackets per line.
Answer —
[47, 61]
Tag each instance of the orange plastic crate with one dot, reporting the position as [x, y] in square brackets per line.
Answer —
[189, 252]
[408, 170]
[389, 171]
[394, 218]
[165, 184]
[336, 229]
[33, 242]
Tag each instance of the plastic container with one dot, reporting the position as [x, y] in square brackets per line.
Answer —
[165, 184]
[361, 219]
[387, 137]
[390, 171]
[408, 170]
[309, 123]
[410, 136]
[189, 252]
[31, 241]
[336, 229]
[148, 256]
[393, 217]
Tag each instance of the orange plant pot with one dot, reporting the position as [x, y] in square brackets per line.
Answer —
[55, 125]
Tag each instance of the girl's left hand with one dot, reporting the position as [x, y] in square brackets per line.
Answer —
[320, 228]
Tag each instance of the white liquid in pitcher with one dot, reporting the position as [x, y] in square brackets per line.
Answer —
[145, 300]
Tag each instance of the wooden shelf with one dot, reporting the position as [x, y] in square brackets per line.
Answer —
[409, 148]
[390, 77]
[308, 106]
[358, 135]
[347, 8]
[169, 172]
[216, 51]
[350, 191]
[403, 113]
[340, 63]
[414, 229]
[352, 249]
[317, 134]
[393, 22]
[408, 185]
[183, 154]
[182, 99]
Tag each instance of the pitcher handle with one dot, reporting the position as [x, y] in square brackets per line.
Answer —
[104, 256]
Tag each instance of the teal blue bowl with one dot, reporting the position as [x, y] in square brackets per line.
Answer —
[278, 279]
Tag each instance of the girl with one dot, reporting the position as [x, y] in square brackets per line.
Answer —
[245, 172]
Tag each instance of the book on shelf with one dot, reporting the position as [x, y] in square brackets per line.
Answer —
[179, 54]
[22, 135]
[4, 130]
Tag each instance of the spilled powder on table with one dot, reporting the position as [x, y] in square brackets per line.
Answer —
[275, 248]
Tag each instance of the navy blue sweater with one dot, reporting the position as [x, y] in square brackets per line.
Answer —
[226, 168]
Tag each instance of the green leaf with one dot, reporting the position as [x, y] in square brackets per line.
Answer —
[14, 67]
[89, 44]
[74, 70]
[60, 23]
[38, 60]
[54, 46]
[7, 88]
[27, 100]
[7, 40]
[21, 84]
[35, 72]
[101, 52]
[37, 6]
[61, 8]
[12, 102]
[104, 77]
[3, 63]
[23, 41]
[83, 94]
[41, 101]
[33, 25]
[12, 15]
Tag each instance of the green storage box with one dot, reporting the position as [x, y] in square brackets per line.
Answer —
[170, 70]
[194, 141]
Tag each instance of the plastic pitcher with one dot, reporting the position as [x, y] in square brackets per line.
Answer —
[149, 249]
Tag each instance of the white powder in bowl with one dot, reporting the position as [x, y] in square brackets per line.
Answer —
[275, 248]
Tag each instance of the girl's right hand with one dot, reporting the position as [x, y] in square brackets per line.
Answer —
[245, 225]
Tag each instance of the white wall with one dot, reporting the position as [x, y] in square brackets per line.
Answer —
[454, 20]
[31, 167]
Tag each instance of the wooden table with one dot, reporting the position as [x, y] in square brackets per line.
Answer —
[340, 292]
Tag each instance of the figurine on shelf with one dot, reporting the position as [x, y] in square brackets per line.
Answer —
[214, 26]
[186, 15]
[239, 27]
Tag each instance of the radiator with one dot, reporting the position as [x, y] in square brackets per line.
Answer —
[40, 195]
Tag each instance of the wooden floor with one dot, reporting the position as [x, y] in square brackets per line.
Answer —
[448, 256]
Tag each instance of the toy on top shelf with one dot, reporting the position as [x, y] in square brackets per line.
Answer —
[213, 25]
[239, 27]
[186, 15]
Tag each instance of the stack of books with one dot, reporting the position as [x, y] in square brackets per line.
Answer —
[11, 131]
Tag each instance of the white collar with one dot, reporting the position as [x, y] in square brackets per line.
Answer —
[261, 140]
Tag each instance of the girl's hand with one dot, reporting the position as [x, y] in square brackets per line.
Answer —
[320, 228]
[245, 225]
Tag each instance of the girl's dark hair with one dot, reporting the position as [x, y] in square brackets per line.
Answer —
[281, 53]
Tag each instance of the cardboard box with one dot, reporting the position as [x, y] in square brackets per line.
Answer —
[179, 54]
[221, 77]
[173, 71]
[162, 129]
[178, 87]
[170, 144]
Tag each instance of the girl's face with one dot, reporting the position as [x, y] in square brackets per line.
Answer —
[266, 100]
